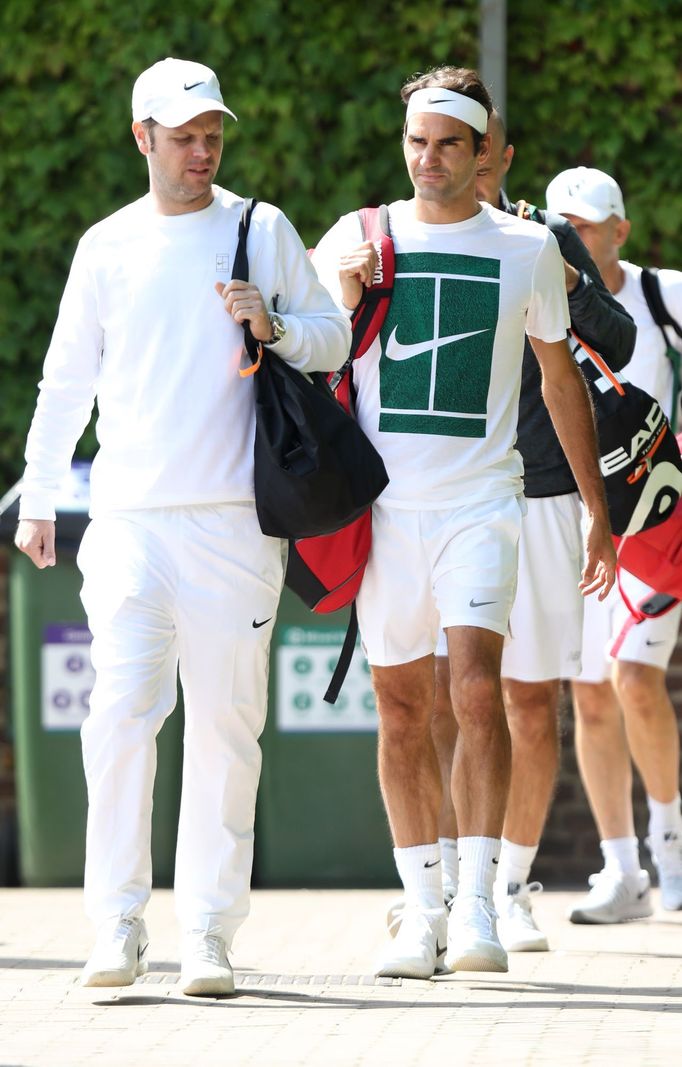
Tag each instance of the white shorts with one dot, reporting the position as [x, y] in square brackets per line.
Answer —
[456, 566]
[545, 627]
[650, 642]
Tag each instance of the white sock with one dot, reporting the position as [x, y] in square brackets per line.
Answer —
[664, 817]
[515, 864]
[419, 868]
[621, 855]
[450, 863]
[478, 865]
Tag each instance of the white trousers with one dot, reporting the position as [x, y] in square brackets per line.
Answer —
[200, 586]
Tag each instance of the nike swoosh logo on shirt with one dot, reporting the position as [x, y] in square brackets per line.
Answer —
[397, 351]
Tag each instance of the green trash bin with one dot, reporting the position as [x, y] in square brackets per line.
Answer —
[320, 820]
[50, 681]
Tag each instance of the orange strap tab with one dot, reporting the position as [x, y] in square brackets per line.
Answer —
[248, 371]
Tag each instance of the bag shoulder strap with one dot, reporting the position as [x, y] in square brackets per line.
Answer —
[651, 287]
[240, 271]
[369, 315]
[345, 657]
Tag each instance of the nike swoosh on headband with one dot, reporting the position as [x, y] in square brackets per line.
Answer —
[397, 351]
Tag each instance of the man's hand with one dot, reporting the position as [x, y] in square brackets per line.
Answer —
[35, 537]
[244, 303]
[356, 270]
[599, 572]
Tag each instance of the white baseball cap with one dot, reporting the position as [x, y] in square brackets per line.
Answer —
[587, 193]
[174, 91]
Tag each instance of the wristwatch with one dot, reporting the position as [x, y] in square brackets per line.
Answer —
[279, 327]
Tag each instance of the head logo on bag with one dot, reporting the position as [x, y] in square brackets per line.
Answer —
[638, 455]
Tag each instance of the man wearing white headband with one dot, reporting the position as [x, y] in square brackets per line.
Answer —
[176, 570]
[438, 394]
[545, 629]
[622, 707]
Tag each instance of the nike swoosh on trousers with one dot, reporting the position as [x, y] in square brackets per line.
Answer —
[397, 351]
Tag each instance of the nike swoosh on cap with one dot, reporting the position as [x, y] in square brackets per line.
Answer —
[397, 351]
[480, 603]
[256, 625]
[194, 85]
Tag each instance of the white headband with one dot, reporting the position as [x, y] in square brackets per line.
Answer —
[447, 102]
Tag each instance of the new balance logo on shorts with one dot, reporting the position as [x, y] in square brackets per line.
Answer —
[437, 344]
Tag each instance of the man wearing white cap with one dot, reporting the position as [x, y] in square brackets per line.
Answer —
[175, 567]
[646, 728]
[438, 395]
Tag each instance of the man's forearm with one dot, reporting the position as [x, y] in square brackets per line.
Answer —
[570, 409]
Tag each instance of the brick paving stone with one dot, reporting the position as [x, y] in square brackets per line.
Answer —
[306, 995]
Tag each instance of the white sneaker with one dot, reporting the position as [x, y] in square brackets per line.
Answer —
[666, 852]
[205, 970]
[394, 915]
[615, 898]
[419, 944]
[473, 944]
[516, 926]
[119, 955]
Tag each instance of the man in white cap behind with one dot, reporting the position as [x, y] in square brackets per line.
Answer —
[633, 717]
[175, 567]
[438, 394]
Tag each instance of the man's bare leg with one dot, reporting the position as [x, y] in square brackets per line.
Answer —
[650, 727]
[482, 764]
[621, 890]
[532, 715]
[408, 767]
[410, 785]
[603, 758]
[480, 784]
[444, 733]
[653, 738]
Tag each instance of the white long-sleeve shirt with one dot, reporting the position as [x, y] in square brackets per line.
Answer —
[142, 329]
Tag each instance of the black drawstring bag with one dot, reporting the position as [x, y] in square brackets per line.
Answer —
[314, 468]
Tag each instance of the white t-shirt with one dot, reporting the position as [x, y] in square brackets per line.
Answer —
[649, 367]
[438, 390]
[141, 327]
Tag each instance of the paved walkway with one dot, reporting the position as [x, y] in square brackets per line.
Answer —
[306, 996]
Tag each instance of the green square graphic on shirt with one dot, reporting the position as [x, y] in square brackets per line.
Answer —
[437, 344]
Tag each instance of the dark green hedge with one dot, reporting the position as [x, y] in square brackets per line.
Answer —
[315, 86]
[600, 83]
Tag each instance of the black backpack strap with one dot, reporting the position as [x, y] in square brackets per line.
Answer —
[341, 669]
[651, 287]
[240, 270]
